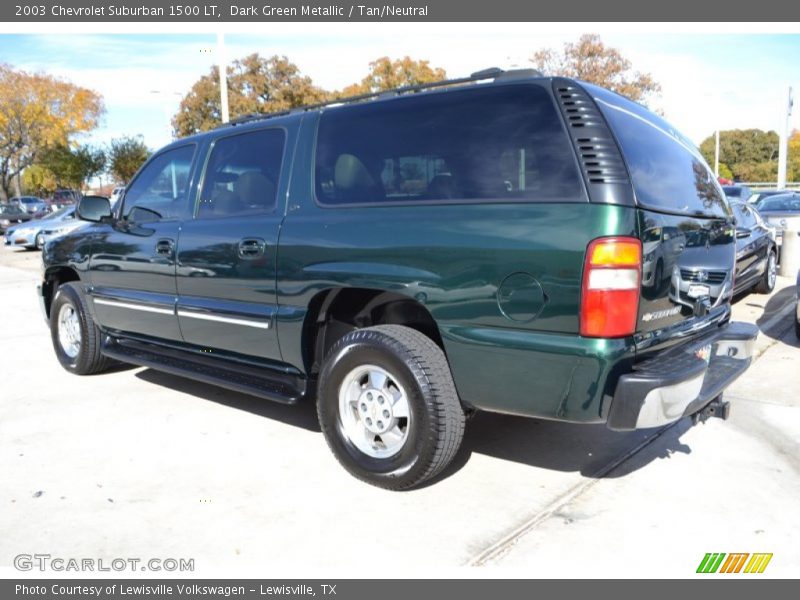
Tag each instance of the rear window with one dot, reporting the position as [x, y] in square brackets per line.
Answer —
[780, 203]
[667, 170]
[496, 144]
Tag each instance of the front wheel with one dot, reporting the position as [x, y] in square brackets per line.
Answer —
[76, 337]
[388, 407]
[767, 283]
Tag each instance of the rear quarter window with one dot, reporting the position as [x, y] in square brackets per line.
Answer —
[500, 143]
[667, 170]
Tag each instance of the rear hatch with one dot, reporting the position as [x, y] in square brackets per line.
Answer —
[684, 222]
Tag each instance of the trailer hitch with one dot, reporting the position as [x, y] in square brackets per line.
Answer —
[716, 408]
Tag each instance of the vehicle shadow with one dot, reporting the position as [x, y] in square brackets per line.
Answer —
[590, 450]
[774, 305]
[551, 445]
[303, 414]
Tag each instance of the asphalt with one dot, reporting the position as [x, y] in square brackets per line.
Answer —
[140, 464]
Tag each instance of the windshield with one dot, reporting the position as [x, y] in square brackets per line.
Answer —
[60, 212]
[732, 192]
[780, 203]
[10, 209]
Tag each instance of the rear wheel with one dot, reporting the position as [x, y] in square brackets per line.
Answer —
[76, 337]
[767, 282]
[388, 406]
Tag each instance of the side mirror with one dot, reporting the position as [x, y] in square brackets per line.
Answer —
[94, 208]
[742, 232]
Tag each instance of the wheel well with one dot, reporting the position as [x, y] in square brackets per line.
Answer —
[335, 312]
[53, 278]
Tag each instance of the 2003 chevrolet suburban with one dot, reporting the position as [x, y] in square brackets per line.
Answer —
[505, 242]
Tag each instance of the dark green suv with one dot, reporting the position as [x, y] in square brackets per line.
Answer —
[409, 258]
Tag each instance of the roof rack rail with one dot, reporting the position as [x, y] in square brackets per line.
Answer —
[490, 73]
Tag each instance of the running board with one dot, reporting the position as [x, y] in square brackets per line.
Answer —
[255, 381]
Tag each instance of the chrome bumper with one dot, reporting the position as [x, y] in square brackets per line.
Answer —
[681, 381]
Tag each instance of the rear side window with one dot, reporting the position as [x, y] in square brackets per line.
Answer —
[242, 174]
[667, 170]
[495, 144]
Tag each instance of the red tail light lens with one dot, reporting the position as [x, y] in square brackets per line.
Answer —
[612, 276]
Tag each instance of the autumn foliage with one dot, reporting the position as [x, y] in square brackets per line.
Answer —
[39, 112]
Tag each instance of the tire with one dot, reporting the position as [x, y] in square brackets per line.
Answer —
[766, 284]
[76, 338]
[377, 366]
[39, 241]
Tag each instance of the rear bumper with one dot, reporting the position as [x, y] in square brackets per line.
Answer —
[681, 381]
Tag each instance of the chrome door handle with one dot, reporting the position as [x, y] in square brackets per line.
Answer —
[252, 247]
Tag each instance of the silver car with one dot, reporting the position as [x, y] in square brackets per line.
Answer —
[34, 234]
[30, 204]
[782, 212]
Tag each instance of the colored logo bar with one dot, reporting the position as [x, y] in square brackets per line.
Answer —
[719, 562]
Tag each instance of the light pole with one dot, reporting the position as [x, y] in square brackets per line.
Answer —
[786, 112]
[223, 77]
[716, 153]
[167, 114]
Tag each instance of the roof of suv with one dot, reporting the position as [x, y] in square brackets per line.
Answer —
[491, 76]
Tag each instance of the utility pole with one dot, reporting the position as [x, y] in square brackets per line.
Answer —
[786, 113]
[716, 153]
[223, 77]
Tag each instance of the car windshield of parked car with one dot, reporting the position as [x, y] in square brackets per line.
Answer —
[780, 204]
[62, 212]
[732, 191]
[11, 209]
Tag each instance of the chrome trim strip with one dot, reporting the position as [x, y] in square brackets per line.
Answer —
[142, 307]
[231, 320]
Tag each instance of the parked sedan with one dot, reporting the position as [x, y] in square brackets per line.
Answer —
[756, 251]
[782, 212]
[32, 234]
[30, 204]
[11, 214]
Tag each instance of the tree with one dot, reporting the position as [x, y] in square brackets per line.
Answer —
[745, 154]
[255, 85]
[793, 163]
[386, 74]
[38, 111]
[591, 60]
[125, 156]
[72, 168]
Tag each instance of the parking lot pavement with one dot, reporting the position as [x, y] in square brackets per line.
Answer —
[137, 463]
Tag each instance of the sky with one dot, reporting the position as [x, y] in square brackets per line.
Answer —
[709, 80]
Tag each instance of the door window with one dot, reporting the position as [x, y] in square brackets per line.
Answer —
[161, 190]
[242, 174]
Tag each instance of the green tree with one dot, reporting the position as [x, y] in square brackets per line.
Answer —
[255, 85]
[591, 60]
[125, 156]
[386, 74]
[72, 168]
[793, 166]
[747, 154]
[38, 111]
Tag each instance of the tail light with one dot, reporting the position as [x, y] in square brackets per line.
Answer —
[612, 277]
